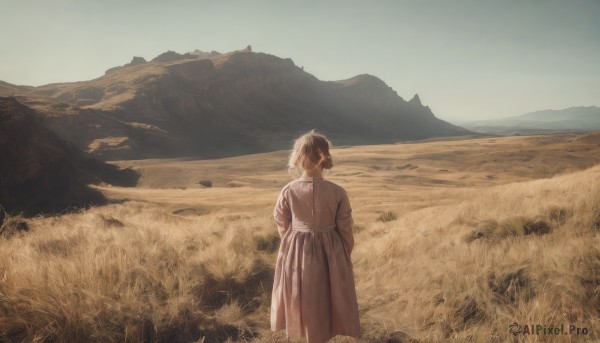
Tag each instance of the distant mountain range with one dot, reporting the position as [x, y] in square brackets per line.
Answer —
[569, 119]
[212, 105]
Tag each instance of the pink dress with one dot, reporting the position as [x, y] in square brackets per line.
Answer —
[313, 291]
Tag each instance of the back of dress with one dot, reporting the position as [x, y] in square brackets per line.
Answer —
[313, 292]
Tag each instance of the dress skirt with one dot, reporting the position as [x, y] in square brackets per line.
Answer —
[314, 294]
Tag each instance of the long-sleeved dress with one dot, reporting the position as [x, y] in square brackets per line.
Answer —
[313, 292]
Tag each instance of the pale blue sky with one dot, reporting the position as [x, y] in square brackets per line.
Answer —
[474, 59]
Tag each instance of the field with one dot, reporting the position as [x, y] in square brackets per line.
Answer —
[455, 241]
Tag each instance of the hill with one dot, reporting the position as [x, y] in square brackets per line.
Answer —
[546, 121]
[212, 105]
[39, 172]
[6, 88]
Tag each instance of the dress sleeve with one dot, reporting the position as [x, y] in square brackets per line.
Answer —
[344, 221]
[282, 213]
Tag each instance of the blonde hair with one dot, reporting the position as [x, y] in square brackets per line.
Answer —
[311, 150]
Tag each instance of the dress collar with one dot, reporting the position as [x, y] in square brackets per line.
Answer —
[310, 178]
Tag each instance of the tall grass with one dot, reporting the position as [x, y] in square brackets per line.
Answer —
[526, 252]
[133, 273]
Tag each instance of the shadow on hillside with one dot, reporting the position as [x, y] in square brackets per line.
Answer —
[58, 191]
[42, 174]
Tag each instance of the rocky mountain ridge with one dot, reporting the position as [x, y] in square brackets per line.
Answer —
[224, 104]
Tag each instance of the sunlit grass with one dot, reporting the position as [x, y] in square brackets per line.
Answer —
[434, 262]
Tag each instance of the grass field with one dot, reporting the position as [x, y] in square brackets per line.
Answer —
[455, 241]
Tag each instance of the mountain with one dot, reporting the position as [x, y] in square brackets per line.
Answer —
[225, 104]
[569, 119]
[39, 172]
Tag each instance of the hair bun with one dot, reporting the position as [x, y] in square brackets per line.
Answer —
[326, 162]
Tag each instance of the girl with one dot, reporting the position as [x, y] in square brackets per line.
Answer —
[313, 291]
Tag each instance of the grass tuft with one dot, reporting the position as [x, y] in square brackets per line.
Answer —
[387, 216]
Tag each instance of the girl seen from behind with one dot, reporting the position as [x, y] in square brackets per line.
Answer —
[313, 291]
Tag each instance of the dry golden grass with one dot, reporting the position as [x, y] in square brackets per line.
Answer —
[134, 273]
[456, 240]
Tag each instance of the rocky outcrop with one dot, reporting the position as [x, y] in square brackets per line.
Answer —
[416, 100]
[41, 173]
[170, 56]
[136, 60]
[205, 55]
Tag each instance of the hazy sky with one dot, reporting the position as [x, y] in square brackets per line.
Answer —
[467, 59]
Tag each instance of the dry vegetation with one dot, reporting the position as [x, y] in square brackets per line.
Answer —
[456, 240]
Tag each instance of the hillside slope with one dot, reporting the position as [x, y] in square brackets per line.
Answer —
[40, 172]
[229, 104]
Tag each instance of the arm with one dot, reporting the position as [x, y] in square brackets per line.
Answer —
[344, 221]
[282, 213]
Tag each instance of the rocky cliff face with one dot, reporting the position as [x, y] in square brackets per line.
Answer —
[229, 104]
[40, 172]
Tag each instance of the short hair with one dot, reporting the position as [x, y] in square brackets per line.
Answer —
[310, 150]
